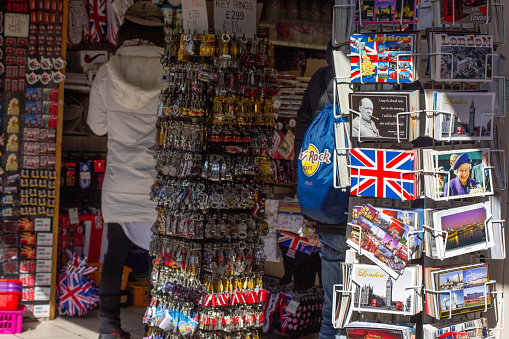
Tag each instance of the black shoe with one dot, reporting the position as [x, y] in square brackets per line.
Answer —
[119, 334]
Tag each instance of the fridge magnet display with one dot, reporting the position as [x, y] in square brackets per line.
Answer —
[384, 57]
[468, 229]
[374, 115]
[461, 57]
[385, 12]
[469, 119]
[383, 173]
[375, 290]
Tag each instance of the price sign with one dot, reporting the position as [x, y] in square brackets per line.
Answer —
[194, 16]
[235, 17]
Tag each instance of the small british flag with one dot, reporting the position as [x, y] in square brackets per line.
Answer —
[383, 173]
[294, 243]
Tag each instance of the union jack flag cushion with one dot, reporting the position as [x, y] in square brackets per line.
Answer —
[383, 173]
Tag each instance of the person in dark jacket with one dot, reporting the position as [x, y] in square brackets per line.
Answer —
[330, 237]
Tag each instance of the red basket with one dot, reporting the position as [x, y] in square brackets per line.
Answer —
[10, 294]
[11, 321]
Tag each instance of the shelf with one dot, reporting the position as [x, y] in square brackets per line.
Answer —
[81, 88]
[298, 45]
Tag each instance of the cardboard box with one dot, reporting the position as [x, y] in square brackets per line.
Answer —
[92, 60]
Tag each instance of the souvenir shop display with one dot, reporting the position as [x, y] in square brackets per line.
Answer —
[216, 125]
[31, 70]
[439, 199]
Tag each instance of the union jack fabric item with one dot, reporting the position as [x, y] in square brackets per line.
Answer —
[76, 295]
[383, 173]
[294, 243]
[97, 19]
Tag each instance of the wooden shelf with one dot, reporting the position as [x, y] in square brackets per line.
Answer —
[80, 88]
[298, 45]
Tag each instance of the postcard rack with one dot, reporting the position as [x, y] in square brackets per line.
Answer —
[446, 140]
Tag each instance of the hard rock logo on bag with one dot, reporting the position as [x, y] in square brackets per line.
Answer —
[311, 159]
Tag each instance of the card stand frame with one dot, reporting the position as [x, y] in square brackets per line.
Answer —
[492, 55]
[499, 8]
[335, 291]
[504, 94]
[410, 236]
[404, 113]
[427, 290]
[337, 184]
[500, 317]
[362, 82]
[502, 226]
[401, 178]
[349, 7]
[418, 289]
[335, 96]
[442, 232]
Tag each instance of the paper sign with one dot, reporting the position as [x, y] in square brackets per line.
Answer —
[43, 279]
[42, 225]
[42, 293]
[293, 305]
[44, 239]
[44, 252]
[16, 24]
[235, 17]
[41, 311]
[73, 216]
[194, 16]
[43, 266]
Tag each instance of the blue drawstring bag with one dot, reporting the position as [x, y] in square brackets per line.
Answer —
[318, 198]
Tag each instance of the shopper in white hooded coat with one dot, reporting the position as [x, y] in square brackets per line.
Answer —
[123, 106]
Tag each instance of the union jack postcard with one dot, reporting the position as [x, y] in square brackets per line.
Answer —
[383, 57]
[383, 173]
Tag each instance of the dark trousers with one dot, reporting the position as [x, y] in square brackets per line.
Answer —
[111, 278]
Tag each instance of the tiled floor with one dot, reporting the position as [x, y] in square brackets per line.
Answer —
[79, 328]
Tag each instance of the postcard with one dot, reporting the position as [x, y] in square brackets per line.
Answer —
[384, 57]
[463, 58]
[376, 291]
[467, 290]
[375, 115]
[462, 174]
[471, 119]
[385, 12]
[468, 229]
